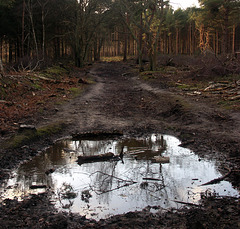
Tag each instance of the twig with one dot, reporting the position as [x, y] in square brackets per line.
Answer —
[127, 183]
[99, 192]
[114, 177]
[217, 180]
[148, 178]
[190, 204]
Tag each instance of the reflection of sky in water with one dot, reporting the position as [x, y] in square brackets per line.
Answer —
[111, 183]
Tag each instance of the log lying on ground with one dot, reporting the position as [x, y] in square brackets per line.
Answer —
[41, 186]
[95, 158]
[160, 159]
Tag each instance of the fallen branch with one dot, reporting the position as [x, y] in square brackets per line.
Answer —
[99, 192]
[190, 204]
[113, 176]
[160, 159]
[217, 180]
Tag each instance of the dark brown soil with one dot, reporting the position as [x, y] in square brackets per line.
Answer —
[123, 101]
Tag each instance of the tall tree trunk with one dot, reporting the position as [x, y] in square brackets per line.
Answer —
[95, 50]
[177, 38]
[125, 45]
[140, 49]
[62, 48]
[217, 47]
[1, 66]
[10, 55]
[57, 47]
[77, 45]
[43, 34]
[97, 45]
[169, 44]
[225, 31]
[30, 11]
[190, 40]
[201, 38]
[100, 44]
[1, 49]
[43, 4]
[6, 52]
[233, 39]
[118, 44]
[23, 27]
[214, 43]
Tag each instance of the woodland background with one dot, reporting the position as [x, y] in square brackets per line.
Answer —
[34, 33]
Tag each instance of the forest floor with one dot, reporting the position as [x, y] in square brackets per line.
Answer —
[202, 110]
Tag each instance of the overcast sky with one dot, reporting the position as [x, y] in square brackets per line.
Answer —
[183, 3]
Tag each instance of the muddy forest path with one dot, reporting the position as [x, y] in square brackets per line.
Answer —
[116, 101]
[120, 101]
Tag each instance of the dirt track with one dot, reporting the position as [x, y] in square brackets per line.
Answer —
[119, 101]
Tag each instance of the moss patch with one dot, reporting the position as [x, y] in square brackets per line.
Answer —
[75, 91]
[50, 129]
[55, 72]
[28, 136]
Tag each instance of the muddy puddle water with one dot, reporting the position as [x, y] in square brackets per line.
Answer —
[104, 188]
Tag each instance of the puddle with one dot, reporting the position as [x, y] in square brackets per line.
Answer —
[102, 189]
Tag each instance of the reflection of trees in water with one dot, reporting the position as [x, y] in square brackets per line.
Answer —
[103, 179]
[87, 147]
[33, 172]
[154, 142]
[113, 176]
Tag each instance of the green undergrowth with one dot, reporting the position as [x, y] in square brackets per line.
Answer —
[148, 75]
[75, 91]
[186, 87]
[29, 136]
[55, 72]
[2, 93]
[229, 105]
[112, 59]
[37, 86]
[229, 77]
